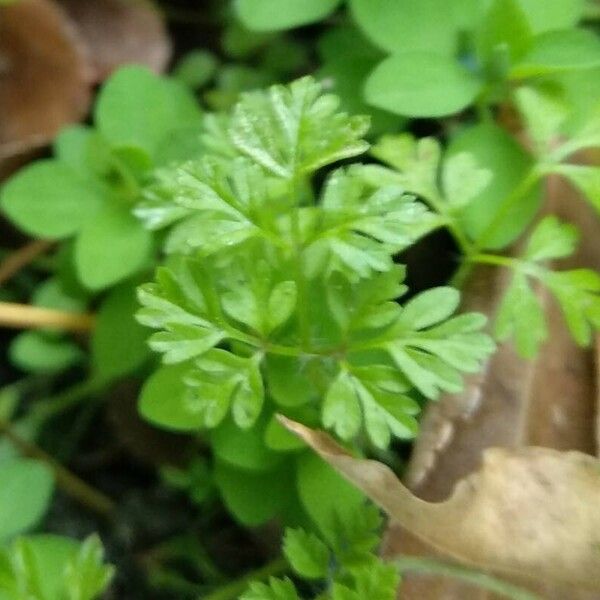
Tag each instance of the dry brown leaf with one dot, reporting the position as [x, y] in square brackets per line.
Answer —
[119, 32]
[44, 78]
[531, 513]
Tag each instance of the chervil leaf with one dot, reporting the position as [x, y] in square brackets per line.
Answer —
[544, 115]
[174, 305]
[306, 553]
[417, 161]
[585, 178]
[376, 580]
[281, 303]
[386, 414]
[385, 212]
[341, 409]
[276, 589]
[463, 179]
[430, 307]
[431, 351]
[357, 213]
[355, 255]
[384, 411]
[357, 535]
[551, 239]
[294, 130]
[182, 342]
[578, 293]
[214, 202]
[340, 591]
[86, 575]
[221, 379]
[520, 314]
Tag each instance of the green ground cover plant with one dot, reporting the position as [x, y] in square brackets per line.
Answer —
[259, 224]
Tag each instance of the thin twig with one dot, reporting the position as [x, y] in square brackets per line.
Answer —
[21, 258]
[67, 481]
[24, 316]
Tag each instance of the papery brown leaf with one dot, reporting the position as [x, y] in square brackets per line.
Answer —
[531, 513]
[546, 402]
[44, 78]
[119, 32]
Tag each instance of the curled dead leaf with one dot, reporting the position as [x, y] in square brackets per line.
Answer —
[530, 513]
[44, 78]
[119, 32]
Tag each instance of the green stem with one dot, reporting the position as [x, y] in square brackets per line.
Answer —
[462, 241]
[482, 580]
[67, 399]
[301, 291]
[70, 483]
[233, 590]
[496, 260]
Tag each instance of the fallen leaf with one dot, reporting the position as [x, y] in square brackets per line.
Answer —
[44, 77]
[119, 32]
[530, 513]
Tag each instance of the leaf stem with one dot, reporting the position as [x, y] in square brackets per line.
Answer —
[454, 229]
[70, 483]
[25, 316]
[483, 580]
[301, 293]
[495, 259]
[20, 258]
[232, 590]
[67, 399]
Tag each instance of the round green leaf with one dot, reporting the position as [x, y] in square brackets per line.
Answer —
[163, 400]
[35, 352]
[244, 448]
[253, 498]
[347, 59]
[50, 200]
[278, 438]
[51, 294]
[25, 492]
[119, 342]
[111, 247]
[274, 15]
[408, 25]
[421, 84]
[196, 68]
[495, 150]
[547, 15]
[326, 496]
[138, 108]
[559, 52]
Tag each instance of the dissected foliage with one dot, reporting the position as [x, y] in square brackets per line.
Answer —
[279, 286]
